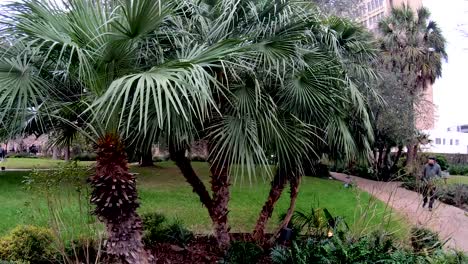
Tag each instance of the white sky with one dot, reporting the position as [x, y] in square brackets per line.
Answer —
[451, 91]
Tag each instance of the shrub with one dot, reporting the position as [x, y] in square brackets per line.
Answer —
[410, 184]
[243, 252]
[375, 248]
[363, 171]
[161, 158]
[456, 194]
[424, 240]
[458, 170]
[442, 161]
[177, 233]
[443, 257]
[198, 158]
[83, 249]
[317, 170]
[153, 227]
[21, 155]
[27, 243]
[64, 188]
[156, 229]
[85, 157]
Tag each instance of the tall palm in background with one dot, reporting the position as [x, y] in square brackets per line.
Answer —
[413, 48]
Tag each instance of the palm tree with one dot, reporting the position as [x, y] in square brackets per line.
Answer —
[344, 129]
[278, 88]
[120, 48]
[413, 48]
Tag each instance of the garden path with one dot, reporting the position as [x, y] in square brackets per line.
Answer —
[449, 221]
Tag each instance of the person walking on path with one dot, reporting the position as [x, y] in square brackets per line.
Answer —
[431, 173]
[2, 153]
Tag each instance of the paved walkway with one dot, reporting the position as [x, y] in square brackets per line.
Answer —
[449, 221]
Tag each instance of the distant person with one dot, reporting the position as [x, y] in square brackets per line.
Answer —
[33, 149]
[2, 153]
[431, 173]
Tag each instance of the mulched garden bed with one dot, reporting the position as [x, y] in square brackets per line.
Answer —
[202, 249]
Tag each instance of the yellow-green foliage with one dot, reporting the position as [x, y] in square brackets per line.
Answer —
[27, 243]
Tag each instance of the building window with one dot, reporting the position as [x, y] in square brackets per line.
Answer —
[457, 142]
[443, 141]
[451, 141]
[438, 141]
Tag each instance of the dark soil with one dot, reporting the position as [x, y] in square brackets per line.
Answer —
[202, 249]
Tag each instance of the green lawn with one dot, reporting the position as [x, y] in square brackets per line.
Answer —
[163, 189]
[457, 179]
[30, 163]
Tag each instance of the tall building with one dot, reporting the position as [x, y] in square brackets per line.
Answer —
[370, 13]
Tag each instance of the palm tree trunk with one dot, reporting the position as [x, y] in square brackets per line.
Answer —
[67, 152]
[185, 166]
[409, 154]
[115, 196]
[54, 153]
[147, 159]
[381, 156]
[220, 188]
[294, 183]
[277, 187]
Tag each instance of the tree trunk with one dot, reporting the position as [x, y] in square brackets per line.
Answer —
[54, 153]
[381, 156]
[397, 156]
[147, 159]
[294, 183]
[409, 154]
[415, 152]
[115, 196]
[220, 187]
[67, 152]
[185, 166]
[277, 187]
[386, 173]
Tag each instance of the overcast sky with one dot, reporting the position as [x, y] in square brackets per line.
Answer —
[451, 91]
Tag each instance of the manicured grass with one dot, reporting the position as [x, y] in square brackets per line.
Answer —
[163, 189]
[457, 179]
[31, 163]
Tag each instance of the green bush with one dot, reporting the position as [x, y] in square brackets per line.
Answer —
[424, 240]
[442, 161]
[20, 155]
[85, 249]
[458, 170]
[363, 171]
[317, 169]
[198, 158]
[27, 243]
[157, 229]
[85, 157]
[161, 158]
[410, 184]
[153, 227]
[242, 252]
[177, 233]
[375, 248]
[456, 195]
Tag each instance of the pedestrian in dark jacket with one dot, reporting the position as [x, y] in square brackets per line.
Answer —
[431, 173]
[2, 153]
